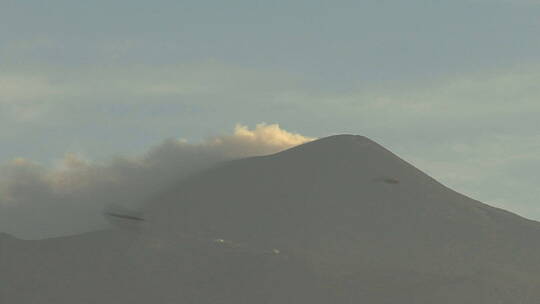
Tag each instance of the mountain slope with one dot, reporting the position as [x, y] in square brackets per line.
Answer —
[334, 194]
[337, 220]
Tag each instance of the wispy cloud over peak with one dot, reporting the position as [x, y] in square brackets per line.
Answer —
[69, 198]
[265, 137]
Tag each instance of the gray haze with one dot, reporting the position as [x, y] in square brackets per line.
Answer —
[39, 202]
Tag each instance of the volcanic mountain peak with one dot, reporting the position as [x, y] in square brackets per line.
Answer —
[336, 143]
[341, 159]
[336, 220]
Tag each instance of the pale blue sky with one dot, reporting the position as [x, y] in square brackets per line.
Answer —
[452, 86]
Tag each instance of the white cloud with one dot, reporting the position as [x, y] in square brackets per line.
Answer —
[263, 138]
[36, 201]
[23, 97]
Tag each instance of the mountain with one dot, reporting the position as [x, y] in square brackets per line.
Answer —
[336, 220]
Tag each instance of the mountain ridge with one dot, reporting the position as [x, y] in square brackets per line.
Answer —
[336, 220]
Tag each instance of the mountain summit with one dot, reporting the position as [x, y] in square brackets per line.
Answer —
[337, 220]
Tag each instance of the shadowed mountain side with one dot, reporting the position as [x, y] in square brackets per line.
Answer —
[103, 267]
[329, 200]
[337, 220]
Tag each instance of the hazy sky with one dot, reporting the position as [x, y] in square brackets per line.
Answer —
[451, 86]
